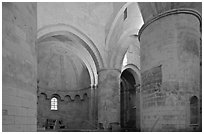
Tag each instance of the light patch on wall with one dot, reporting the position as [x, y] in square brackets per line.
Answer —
[125, 60]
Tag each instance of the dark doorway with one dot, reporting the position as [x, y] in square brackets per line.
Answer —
[129, 105]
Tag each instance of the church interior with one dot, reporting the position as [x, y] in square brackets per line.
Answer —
[102, 66]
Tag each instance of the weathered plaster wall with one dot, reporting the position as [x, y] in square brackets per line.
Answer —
[73, 112]
[123, 35]
[116, 8]
[170, 63]
[90, 18]
[60, 69]
[19, 68]
[133, 55]
[97, 21]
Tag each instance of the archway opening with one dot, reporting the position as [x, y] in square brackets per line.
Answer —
[129, 105]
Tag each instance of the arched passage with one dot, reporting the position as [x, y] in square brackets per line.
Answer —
[129, 101]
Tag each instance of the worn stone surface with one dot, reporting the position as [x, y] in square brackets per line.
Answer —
[172, 42]
[89, 17]
[152, 9]
[62, 73]
[60, 69]
[19, 70]
[129, 101]
[100, 35]
[74, 113]
[109, 97]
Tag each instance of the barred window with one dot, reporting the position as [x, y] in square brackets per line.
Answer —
[54, 103]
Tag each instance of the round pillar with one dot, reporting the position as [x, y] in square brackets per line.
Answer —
[92, 106]
[170, 67]
[109, 99]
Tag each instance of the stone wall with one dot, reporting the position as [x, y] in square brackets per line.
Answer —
[62, 73]
[109, 99]
[74, 113]
[170, 63]
[19, 89]
[130, 101]
[133, 55]
[59, 70]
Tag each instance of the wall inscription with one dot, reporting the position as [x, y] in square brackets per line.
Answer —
[151, 82]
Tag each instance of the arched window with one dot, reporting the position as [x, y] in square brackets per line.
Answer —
[54, 103]
[194, 113]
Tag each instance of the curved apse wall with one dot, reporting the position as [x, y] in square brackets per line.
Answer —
[59, 69]
[61, 72]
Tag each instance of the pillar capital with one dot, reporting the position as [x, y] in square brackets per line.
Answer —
[168, 13]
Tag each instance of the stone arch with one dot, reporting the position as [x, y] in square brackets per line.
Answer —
[124, 42]
[56, 96]
[194, 110]
[68, 98]
[85, 60]
[115, 21]
[85, 96]
[44, 95]
[127, 37]
[43, 32]
[94, 63]
[77, 97]
[134, 70]
[130, 104]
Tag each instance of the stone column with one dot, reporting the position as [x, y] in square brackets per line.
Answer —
[109, 99]
[19, 67]
[170, 66]
[92, 107]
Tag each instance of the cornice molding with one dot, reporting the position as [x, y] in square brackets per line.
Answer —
[168, 13]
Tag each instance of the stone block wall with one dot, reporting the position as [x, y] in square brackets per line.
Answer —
[74, 113]
[19, 90]
[170, 63]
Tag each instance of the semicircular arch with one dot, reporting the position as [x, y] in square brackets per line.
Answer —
[80, 48]
[59, 28]
[134, 70]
